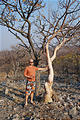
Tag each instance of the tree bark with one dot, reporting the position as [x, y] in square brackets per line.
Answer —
[37, 83]
[48, 84]
[49, 93]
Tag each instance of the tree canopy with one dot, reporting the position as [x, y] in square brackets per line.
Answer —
[25, 20]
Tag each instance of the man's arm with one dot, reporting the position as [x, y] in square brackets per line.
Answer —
[43, 69]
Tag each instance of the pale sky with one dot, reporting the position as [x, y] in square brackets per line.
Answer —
[7, 39]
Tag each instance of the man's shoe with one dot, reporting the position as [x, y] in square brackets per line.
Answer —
[33, 103]
[25, 104]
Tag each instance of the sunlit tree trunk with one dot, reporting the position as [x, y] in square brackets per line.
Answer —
[49, 93]
[48, 84]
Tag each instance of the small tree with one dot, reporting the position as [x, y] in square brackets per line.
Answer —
[62, 28]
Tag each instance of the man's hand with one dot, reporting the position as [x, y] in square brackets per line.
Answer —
[30, 77]
[47, 68]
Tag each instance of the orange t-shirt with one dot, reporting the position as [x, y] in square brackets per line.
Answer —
[30, 71]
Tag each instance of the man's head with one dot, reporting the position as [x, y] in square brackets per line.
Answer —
[31, 62]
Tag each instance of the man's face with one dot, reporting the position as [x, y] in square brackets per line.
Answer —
[31, 62]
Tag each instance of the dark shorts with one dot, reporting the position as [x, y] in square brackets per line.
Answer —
[30, 87]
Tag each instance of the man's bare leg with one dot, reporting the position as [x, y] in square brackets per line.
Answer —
[32, 95]
[26, 100]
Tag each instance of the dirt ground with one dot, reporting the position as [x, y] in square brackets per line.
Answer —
[12, 100]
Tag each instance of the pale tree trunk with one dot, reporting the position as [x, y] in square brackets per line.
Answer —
[49, 93]
[48, 84]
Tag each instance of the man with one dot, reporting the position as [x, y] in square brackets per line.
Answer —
[29, 73]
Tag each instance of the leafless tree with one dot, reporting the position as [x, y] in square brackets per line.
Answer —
[61, 28]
